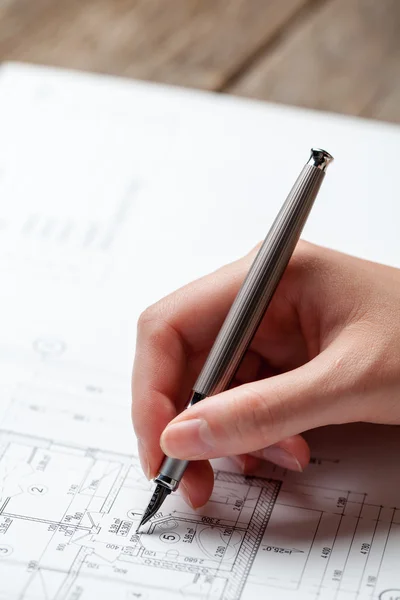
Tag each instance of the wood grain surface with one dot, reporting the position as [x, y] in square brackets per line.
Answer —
[344, 57]
[339, 55]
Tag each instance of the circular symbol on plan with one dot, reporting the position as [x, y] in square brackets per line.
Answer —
[134, 513]
[37, 490]
[5, 550]
[390, 595]
[49, 347]
[168, 524]
[170, 537]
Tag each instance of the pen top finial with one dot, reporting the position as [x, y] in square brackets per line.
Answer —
[320, 158]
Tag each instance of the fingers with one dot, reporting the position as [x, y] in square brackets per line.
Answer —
[173, 339]
[260, 414]
[158, 350]
[197, 483]
[292, 453]
[247, 463]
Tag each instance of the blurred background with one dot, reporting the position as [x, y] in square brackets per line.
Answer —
[336, 55]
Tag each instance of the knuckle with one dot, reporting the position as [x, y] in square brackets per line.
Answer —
[154, 319]
[156, 329]
[159, 315]
[147, 316]
[308, 259]
[150, 327]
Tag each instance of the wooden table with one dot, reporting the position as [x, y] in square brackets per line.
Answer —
[337, 55]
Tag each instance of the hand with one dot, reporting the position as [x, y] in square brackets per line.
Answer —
[327, 351]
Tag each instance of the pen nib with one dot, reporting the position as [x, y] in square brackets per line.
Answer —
[160, 493]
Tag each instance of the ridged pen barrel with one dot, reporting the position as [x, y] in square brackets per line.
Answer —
[260, 284]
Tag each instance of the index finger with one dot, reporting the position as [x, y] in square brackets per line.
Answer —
[172, 336]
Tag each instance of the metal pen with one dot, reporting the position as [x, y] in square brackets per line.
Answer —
[248, 308]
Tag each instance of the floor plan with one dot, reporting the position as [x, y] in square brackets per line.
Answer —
[77, 510]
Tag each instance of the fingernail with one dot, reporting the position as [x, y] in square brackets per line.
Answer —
[187, 439]
[282, 458]
[144, 461]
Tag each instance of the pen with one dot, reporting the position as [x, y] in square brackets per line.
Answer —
[248, 308]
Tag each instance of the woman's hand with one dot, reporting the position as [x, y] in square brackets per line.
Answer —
[327, 351]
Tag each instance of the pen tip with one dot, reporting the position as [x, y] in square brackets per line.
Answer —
[160, 493]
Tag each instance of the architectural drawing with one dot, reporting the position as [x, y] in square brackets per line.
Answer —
[70, 505]
[77, 512]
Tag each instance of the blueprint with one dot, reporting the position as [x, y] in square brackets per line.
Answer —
[80, 255]
[69, 512]
[78, 510]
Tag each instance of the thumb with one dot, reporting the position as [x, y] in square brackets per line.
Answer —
[253, 416]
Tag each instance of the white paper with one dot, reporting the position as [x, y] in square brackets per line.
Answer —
[114, 193]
